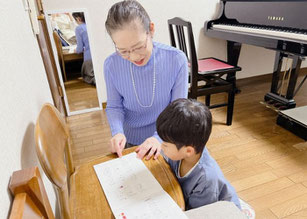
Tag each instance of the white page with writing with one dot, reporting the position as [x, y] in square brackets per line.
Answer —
[133, 192]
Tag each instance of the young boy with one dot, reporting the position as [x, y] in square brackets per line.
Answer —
[185, 127]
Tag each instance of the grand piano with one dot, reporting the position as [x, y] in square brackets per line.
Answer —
[273, 24]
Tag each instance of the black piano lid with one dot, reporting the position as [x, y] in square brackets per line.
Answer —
[264, 0]
[282, 14]
[248, 12]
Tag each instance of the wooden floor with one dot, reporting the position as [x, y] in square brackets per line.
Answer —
[80, 95]
[266, 164]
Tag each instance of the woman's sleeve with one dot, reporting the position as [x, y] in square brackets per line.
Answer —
[114, 109]
[180, 88]
[80, 44]
[73, 25]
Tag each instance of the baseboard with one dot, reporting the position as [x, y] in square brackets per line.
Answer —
[267, 76]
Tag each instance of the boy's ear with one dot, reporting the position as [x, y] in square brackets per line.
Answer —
[189, 151]
[152, 29]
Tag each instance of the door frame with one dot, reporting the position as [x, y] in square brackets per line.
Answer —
[43, 41]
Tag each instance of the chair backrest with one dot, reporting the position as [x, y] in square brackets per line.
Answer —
[184, 43]
[58, 45]
[53, 143]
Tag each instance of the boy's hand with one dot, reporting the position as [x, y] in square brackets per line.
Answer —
[118, 143]
[151, 146]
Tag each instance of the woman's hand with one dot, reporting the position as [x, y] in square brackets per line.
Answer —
[150, 144]
[118, 143]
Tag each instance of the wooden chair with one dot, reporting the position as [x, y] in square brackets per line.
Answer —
[53, 148]
[209, 70]
[30, 197]
[59, 49]
[78, 190]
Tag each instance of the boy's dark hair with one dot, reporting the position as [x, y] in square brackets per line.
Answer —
[124, 12]
[185, 122]
[79, 15]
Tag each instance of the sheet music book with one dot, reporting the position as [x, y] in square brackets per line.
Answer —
[133, 192]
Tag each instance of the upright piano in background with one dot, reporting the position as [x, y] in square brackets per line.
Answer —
[279, 25]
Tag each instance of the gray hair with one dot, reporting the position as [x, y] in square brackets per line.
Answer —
[125, 12]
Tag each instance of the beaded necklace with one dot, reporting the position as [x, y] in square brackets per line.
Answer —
[153, 86]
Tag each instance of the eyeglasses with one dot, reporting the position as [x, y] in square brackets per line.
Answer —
[138, 50]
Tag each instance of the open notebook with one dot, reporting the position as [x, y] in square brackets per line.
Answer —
[133, 192]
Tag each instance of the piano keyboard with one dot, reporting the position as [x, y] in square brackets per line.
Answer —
[280, 33]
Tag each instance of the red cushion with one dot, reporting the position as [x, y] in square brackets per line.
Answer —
[211, 65]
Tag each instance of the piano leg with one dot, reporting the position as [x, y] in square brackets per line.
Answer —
[297, 61]
[233, 53]
[273, 97]
[277, 69]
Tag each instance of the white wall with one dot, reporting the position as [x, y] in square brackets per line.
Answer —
[253, 60]
[23, 90]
